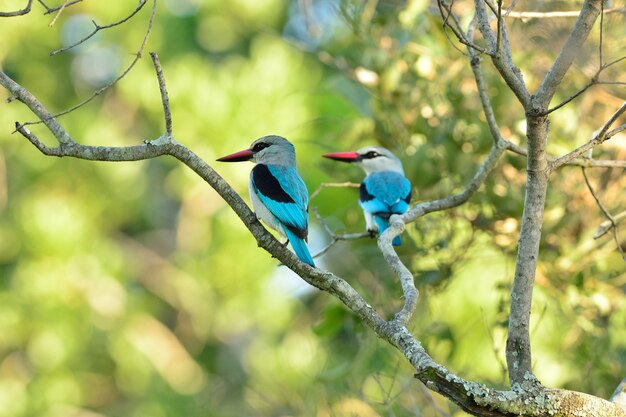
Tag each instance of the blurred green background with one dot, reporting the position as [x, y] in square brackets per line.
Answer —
[131, 289]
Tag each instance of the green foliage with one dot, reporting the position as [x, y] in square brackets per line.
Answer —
[131, 289]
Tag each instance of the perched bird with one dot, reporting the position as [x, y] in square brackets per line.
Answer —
[279, 196]
[384, 191]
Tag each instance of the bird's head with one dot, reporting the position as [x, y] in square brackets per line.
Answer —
[370, 158]
[271, 150]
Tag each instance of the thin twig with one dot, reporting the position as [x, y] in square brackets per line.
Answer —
[606, 213]
[606, 225]
[98, 28]
[578, 162]
[332, 185]
[54, 9]
[602, 136]
[446, 13]
[56, 16]
[334, 238]
[164, 96]
[122, 75]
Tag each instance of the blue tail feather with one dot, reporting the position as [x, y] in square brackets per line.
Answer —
[299, 247]
[383, 224]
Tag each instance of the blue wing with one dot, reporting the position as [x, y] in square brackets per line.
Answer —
[385, 193]
[284, 194]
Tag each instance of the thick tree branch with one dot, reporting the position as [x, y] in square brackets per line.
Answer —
[501, 54]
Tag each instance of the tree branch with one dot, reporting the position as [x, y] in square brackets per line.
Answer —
[501, 57]
[20, 12]
[577, 37]
[98, 28]
[455, 200]
[122, 75]
[603, 135]
[606, 213]
[54, 9]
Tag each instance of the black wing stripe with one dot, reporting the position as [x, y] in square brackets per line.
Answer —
[268, 185]
[301, 233]
[364, 195]
[408, 196]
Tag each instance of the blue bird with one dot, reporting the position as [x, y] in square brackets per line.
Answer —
[279, 196]
[384, 191]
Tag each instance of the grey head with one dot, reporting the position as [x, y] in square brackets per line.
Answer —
[273, 150]
[377, 158]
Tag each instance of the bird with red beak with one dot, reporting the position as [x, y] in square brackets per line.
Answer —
[278, 193]
[384, 191]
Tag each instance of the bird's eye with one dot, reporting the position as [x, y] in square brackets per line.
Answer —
[260, 146]
[372, 154]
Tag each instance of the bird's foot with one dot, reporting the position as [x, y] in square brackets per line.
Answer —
[372, 233]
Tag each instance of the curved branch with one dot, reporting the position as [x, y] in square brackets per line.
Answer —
[20, 12]
[455, 200]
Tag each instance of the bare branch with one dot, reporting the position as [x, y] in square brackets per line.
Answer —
[54, 9]
[577, 37]
[475, 61]
[606, 213]
[446, 12]
[98, 28]
[501, 57]
[591, 82]
[396, 226]
[579, 162]
[164, 96]
[334, 238]
[456, 200]
[602, 136]
[332, 185]
[36, 107]
[122, 75]
[20, 12]
[607, 225]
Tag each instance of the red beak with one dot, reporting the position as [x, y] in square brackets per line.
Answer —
[342, 156]
[237, 156]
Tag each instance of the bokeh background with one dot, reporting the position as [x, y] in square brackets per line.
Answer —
[131, 289]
